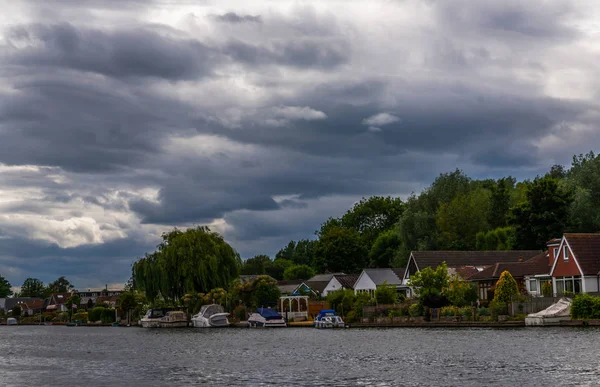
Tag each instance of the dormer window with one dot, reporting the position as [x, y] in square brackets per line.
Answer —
[565, 254]
[555, 253]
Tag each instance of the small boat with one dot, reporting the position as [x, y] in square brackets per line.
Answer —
[328, 318]
[158, 318]
[553, 315]
[266, 318]
[210, 316]
[11, 321]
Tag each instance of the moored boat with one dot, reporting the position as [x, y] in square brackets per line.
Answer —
[266, 318]
[11, 321]
[210, 316]
[159, 318]
[328, 318]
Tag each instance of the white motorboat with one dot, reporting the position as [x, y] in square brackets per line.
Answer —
[11, 321]
[328, 318]
[158, 318]
[266, 318]
[210, 316]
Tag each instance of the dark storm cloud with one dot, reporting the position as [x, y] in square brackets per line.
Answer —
[294, 53]
[139, 52]
[232, 17]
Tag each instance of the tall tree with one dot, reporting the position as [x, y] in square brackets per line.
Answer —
[298, 272]
[5, 288]
[33, 287]
[258, 264]
[385, 250]
[340, 249]
[287, 252]
[61, 285]
[192, 261]
[584, 179]
[499, 202]
[278, 267]
[543, 215]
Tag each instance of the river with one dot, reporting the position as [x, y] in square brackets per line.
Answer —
[80, 356]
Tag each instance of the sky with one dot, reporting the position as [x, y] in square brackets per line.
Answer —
[122, 119]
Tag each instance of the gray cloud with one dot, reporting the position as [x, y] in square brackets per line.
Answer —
[232, 17]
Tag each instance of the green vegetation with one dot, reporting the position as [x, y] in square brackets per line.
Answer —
[386, 294]
[506, 288]
[5, 286]
[33, 287]
[191, 261]
[298, 272]
[263, 291]
[585, 306]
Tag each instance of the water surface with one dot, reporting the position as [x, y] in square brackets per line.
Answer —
[80, 356]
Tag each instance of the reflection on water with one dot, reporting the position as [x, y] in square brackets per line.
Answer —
[79, 356]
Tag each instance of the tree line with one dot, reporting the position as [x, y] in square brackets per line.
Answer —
[455, 212]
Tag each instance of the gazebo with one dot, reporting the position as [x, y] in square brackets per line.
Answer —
[294, 307]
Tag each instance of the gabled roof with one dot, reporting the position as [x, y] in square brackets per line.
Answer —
[379, 276]
[347, 281]
[433, 259]
[59, 298]
[536, 265]
[33, 305]
[399, 272]
[464, 272]
[319, 282]
[288, 287]
[586, 248]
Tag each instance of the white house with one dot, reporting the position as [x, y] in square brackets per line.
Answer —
[369, 279]
[340, 281]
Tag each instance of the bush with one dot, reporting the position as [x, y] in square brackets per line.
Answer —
[351, 316]
[506, 288]
[547, 289]
[498, 307]
[585, 306]
[240, 313]
[483, 312]
[83, 316]
[108, 316]
[385, 294]
[395, 313]
[95, 314]
[415, 310]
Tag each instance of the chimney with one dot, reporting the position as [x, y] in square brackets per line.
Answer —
[521, 259]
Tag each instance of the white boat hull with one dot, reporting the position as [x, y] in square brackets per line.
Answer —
[163, 324]
[218, 320]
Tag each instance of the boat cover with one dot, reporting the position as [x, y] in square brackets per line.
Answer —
[326, 312]
[560, 309]
[268, 314]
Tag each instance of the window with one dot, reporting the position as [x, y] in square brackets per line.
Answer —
[555, 253]
[533, 285]
[568, 284]
[565, 253]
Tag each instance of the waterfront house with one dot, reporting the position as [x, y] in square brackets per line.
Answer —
[521, 271]
[370, 279]
[576, 267]
[480, 260]
[319, 282]
[29, 308]
[9, 303]
[89, 297]
[340, 281]
[57, 302]
[295, 288]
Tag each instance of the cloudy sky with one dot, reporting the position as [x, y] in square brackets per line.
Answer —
[120, 119]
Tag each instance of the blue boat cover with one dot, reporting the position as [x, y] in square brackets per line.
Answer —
[269, 314]
[326, 312]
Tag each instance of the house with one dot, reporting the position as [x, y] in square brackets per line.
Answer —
[89, 297]
[319, 282]
[29, 308]
[110, 301]
[10, 303]
[576, 266]
[57, 302]
[480, 260]
[370, 279]
[340, 281]
[521, 271]
[246, 278]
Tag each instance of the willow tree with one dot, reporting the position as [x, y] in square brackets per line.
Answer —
[192, 261]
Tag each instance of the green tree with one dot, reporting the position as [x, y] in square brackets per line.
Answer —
[543, 215]
[287, 252]
[5, 288]
[461, 219]
[386, 294]
[265, 292]
[429, 284]
[506, 288]
[298, 272]
[460, 292]
[385, 250]
[16, 310]
[500, 202]
[304, 252]
[340, 249]
[278, 267]
[259, 264]
[497, 239]
[73, 300]
[191, 261]
[126, 303]
[61, 285]
[33, 287]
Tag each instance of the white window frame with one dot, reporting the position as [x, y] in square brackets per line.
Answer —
[565, 253]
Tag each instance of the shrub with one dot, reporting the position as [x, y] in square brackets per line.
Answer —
[547, 289]
[415, 310]
[240, 313]
[108, 316]
[506, 288]
[483, 312]
[16, 310]
[95, 314]
[395, 313]
[498, 307]
[385, 294]
[585, 306]
[351, 316]
[83, 316]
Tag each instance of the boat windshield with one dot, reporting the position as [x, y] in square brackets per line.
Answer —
[209, 310]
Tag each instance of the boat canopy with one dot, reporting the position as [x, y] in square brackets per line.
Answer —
[209, 310]
[326, 312]
[268, 314]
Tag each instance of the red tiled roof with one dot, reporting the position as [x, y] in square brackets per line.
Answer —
[60, 298]
[38, 304]
[536, 265]
[469, 258]
[586, 248]
[466, 272]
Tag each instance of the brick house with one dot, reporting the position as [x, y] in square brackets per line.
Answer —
[576, 266]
